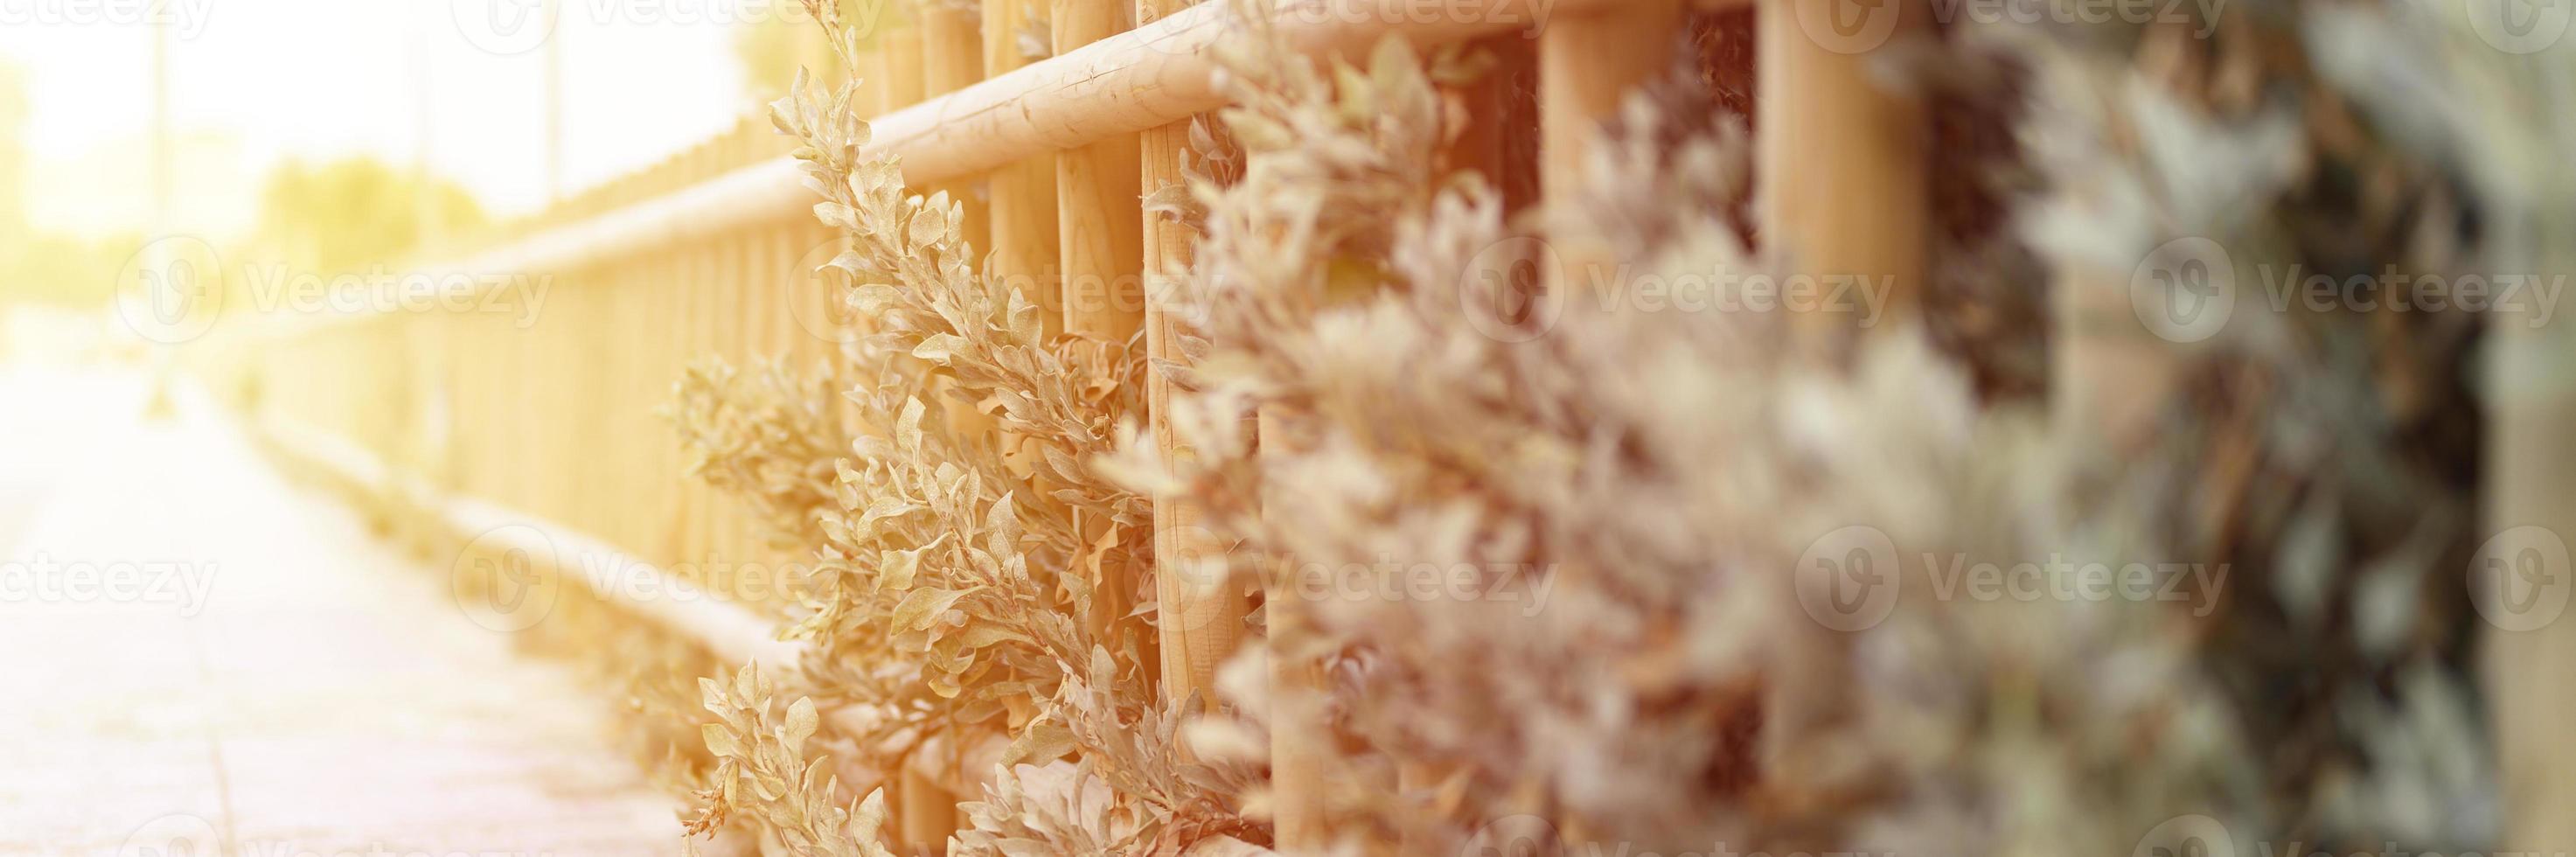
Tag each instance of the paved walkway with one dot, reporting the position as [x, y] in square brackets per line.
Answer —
[197, 659]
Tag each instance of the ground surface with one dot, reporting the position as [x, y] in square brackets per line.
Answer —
[275, 683]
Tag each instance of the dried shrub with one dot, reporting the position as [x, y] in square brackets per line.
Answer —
[1648, 485]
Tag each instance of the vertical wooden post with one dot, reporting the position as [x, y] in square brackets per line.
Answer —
[1497, 108]
[944, 57]
[1099, 224]
[1022, 195]
[1844, 194]
[2520, 579]
[1844, 161]
[1587, 64]
[1300, 740]
[927, 814]
[952, 57]
[899, 82]
[1199, 619]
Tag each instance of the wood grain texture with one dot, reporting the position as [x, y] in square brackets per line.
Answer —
[1101, 256]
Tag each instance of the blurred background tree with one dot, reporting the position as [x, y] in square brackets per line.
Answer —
[352, 213]
[41, 269]
[771, 49]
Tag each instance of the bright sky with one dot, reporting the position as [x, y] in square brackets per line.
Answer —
[258, 81]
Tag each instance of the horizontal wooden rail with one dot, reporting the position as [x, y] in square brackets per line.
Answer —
[729, 632]
[1162, 72]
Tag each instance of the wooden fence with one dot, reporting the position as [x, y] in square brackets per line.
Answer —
[545, 423]
[548, 419]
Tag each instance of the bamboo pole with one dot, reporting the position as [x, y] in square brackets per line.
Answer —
[899, 73]
[1844, 158]
[2521, 577]
[927, 813]
[1588, 61]
[1846, 195]
[1022, 192]
[953, 58]
[1101, 253]
[1497, 110]
[1098, 218]
[1200, 620]
[1300, 742]
[937, 56]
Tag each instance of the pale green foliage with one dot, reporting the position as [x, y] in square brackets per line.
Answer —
[769, 438]
[761, 769]
[953, 581]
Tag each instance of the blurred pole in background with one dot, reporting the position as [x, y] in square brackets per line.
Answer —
[554, 102]
[424, 201]
[157, 261]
